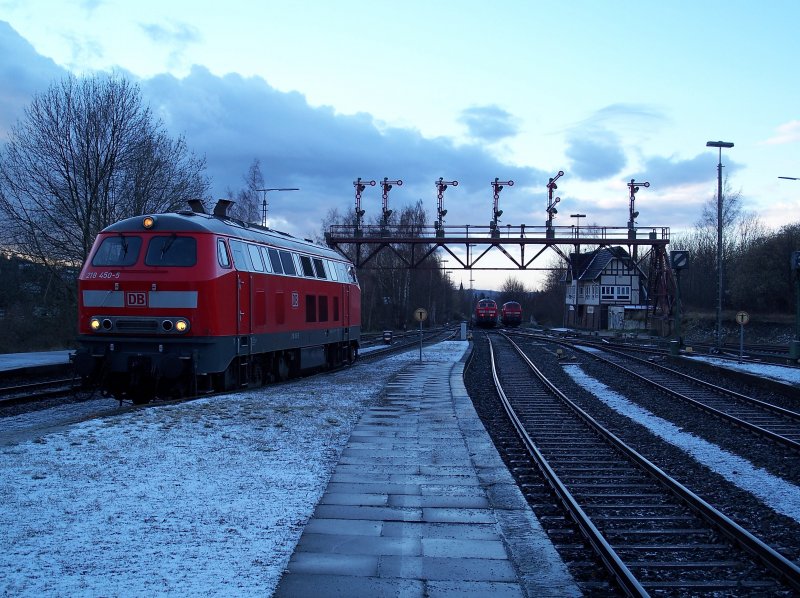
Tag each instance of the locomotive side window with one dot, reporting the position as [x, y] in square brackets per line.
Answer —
[332, 270]
[320, 268]
[308, 269]
[117, 251]
[275, 261]
[171, 251]
[222, 254]
[265, 257]
[311, 308]
[343, 275]
[255, 258]
[239, 256]
[288, 263]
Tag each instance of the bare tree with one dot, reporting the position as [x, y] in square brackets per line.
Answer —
[247, 203]
[86, 154]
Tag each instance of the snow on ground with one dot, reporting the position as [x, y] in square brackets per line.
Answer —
[774, 372]
[780, 495]
[208, 497]
[11, 361]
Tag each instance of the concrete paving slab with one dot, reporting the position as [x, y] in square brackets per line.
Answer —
[421, 504]
[342, 586]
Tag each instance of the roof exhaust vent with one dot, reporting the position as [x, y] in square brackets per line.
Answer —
[222, 207]
[197, 206]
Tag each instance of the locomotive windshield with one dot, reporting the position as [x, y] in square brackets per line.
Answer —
[171, 251]
[117, 251]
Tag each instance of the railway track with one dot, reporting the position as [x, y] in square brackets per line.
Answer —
[777, 424]
[31, 392]
[653, 534]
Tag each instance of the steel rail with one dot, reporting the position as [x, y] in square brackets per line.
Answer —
[751, 427]
[776, 562]
[613, 562]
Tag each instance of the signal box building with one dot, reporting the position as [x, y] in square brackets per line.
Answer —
[606, 290]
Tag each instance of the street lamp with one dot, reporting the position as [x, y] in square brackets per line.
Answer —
[578, 220]
[719, 145]
[264, 203]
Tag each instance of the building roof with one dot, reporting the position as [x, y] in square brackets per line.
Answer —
[589, 266]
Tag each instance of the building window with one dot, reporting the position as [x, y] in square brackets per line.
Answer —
[615, 292]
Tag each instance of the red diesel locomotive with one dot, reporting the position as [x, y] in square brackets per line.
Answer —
[511, 314]
[189, 302]
[486, 313]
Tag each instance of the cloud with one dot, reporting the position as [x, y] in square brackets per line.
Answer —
[489, 123]
[177, 33]
[625, 113]
[595, 155]
[23, 73]
[233, 120]
[672, 172]
[785, 133]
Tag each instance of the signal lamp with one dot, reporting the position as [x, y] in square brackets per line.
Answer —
[181, 325]
[94, 324]
[149, 221]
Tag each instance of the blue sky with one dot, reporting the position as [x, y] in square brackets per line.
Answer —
[324, 92]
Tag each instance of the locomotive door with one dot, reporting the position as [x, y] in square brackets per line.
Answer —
[346, 311]
[243, 319]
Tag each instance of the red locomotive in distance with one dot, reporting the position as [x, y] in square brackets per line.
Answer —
[511, 314]
[189, 302]
[486, 313]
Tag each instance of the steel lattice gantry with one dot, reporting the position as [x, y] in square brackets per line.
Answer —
[412, 245]
[470, 246]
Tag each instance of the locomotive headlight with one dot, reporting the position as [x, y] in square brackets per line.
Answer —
[181, 325]
[149, 221]
[94, 324]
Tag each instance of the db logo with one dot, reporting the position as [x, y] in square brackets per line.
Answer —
[135, 299]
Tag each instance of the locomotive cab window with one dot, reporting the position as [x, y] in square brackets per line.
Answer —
[171, 251]
[117, 251]
[222, 254]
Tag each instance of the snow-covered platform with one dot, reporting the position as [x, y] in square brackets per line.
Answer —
[17, 362]
[420, 504]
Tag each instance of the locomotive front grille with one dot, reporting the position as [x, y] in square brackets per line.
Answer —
[139, 325]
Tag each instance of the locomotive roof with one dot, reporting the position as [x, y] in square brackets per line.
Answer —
[187, 221]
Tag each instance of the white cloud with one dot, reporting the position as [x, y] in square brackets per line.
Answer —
[786, 133]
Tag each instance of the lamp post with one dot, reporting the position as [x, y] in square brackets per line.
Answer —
[264, 203]
[719, 145]
[577, 229]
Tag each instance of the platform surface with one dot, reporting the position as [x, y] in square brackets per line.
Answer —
[420, 504]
